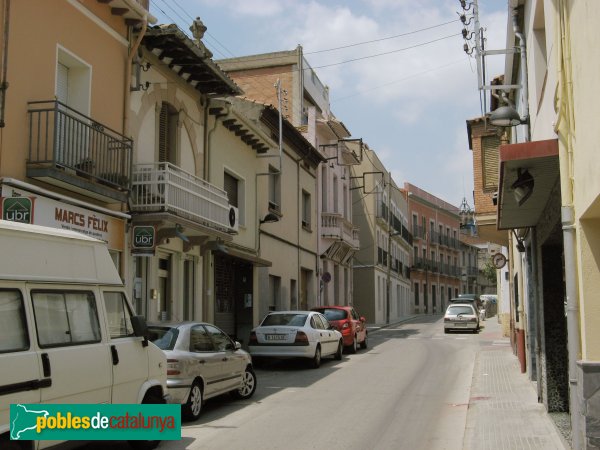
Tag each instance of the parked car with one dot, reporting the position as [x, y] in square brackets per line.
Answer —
[348, 322]
[296, 334]
[202, 362]
[461, 316]
[470, 297]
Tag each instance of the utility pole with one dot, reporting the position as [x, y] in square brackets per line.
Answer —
[389, 246]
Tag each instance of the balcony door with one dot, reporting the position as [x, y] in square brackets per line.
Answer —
[73, 89]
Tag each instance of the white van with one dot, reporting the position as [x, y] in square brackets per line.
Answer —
[67, 330]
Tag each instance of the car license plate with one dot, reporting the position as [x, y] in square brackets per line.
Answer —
[460, 324]
[275, 337]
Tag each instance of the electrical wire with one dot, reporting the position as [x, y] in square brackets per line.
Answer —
[182, 19]
[381, 39]
[396, 81]
[207, 33]
[385, 53]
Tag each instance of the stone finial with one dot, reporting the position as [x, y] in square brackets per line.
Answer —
[198, 29]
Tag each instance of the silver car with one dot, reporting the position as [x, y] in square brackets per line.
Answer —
[202, 362]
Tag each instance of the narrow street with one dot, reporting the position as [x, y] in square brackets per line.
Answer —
[409, 389]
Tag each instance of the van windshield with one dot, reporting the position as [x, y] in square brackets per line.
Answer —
[163, 337]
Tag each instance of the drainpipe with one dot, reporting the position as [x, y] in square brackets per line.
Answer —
[525, 105]
[564, 128]
[129, 62]
[3, 82]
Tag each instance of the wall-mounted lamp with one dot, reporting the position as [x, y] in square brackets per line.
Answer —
[523, 186]
[520, 245]
[179, 233]
[506, 116]
[269, 218]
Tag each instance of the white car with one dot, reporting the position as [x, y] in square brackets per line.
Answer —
[461, 316]
[296, 334]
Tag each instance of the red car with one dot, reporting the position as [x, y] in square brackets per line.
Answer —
[347, 321]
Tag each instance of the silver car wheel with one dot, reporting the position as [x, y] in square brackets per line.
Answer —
[248, 384]
[195, 400]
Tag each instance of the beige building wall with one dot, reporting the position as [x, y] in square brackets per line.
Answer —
[584, 44]
[39, 31]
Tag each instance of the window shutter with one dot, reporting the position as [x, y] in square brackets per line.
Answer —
[230, 185]
[489, 156]
[163, 133]
[62, 83]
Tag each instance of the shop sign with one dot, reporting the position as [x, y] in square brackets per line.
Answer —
[22, 206]
[144, 238]
[17, 209]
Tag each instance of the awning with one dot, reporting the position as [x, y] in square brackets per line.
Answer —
[537, 165]
[236, 253]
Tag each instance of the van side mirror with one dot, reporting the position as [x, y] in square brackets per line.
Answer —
[140, 328]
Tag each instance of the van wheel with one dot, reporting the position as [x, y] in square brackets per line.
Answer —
[193, 407]
[152, 399]
[7, 444]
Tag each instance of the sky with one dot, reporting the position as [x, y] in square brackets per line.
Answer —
[409, 89]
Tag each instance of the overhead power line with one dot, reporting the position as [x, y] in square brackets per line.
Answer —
[386, 53]
[381, 39]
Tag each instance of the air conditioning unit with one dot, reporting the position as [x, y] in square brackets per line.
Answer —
[234, 218]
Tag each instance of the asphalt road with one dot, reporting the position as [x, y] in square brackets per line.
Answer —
[408, 390]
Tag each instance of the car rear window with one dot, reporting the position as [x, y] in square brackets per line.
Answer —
[456, 310]
[163, 337]
[334, 313]
[292, 320]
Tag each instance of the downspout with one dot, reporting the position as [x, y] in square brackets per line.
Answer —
[129, 62]
[520, 330]
[564, 128]
[3, 82]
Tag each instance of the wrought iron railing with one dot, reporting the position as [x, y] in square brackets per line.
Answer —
[63, 138]
[165, 187]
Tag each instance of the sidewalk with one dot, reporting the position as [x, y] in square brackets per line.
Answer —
[503, 409]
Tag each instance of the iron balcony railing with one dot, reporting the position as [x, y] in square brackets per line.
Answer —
[164, 187]
[64, 139]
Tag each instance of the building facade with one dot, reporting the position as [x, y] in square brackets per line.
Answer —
[547, 203]
[382, 290]
[436, 267]
[65, 152]
[286, 80]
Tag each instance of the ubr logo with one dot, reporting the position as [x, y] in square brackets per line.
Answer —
[17, 209]
[143, 237]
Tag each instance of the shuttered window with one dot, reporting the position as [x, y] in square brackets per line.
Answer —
[62, 83]
[167, 133]
[230, 184]
[489, 157]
